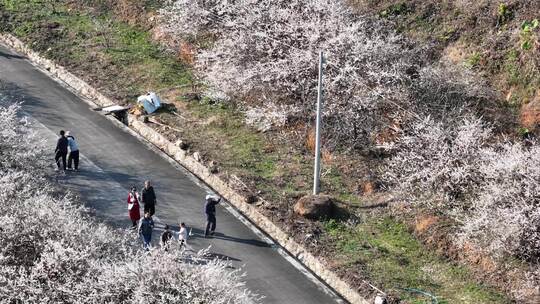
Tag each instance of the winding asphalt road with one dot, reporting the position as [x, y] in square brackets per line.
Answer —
[113, 160]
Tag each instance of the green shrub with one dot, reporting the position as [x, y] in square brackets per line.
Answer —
[473, 60]
[527, 34]
[503, 14]
[395, 10]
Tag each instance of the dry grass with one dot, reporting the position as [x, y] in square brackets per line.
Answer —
[423, 223]
[310, 141]
[186, 53]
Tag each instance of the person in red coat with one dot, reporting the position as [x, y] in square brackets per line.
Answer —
[133, 206]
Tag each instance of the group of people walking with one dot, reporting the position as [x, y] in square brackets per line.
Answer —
[145, 226]
[148, 199]
[67, 154]
[66, 147]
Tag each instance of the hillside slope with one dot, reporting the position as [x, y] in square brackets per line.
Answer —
[497, 39]
[424, 146]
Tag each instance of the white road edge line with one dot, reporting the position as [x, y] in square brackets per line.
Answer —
[231, 209]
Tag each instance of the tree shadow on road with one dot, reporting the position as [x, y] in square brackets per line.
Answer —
[252, 242]
[11, 56]
[197, 233]
[219, 256]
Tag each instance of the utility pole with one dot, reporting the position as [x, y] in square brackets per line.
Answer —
[317, 169]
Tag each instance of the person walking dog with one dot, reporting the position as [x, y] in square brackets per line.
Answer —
[61, 151]
[146, 226]
[149, 198]
[210, 211]
[133, 206]
[73, 157]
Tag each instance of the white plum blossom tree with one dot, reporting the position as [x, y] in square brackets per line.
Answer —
[437, 162]
[492, 189]
[506, 212]
[267, 52]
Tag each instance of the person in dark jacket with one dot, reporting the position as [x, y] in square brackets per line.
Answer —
[149, 198]
[166, 237]
[146, 226]
[210, 211]
[61, 151]
[73, 156]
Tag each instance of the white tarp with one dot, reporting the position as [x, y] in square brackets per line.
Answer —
[114, 108]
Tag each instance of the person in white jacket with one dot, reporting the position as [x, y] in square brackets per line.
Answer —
[183, 234]
[73, 156]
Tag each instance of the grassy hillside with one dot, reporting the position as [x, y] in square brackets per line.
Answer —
[399, 247]
[497, 39]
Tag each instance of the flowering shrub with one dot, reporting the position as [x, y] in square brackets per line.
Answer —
[506, 213]
[492, 189]
[267, 52]
[51, 251]
[269, 49]
[263, 119]
[439, 162]
[446, 93]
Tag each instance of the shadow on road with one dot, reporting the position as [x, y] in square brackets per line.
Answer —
[11, 56]
[219, 256]
[197, 233]
[127, 180]
[253, 242]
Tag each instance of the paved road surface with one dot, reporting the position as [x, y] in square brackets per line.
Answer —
[113, 160]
